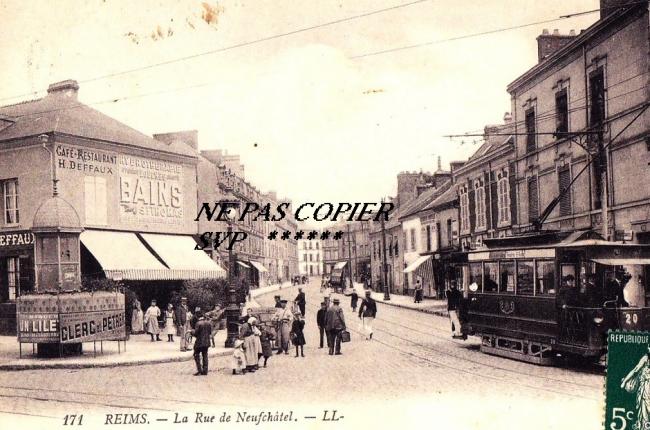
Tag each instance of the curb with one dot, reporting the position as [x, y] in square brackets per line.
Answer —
[39, 366]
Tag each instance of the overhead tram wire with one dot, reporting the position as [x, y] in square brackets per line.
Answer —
[488, 32]
[237, 45]
[317, 26]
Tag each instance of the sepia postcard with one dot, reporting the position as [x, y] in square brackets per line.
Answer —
[325, 214]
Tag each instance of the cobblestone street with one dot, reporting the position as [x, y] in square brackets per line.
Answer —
[411, 362]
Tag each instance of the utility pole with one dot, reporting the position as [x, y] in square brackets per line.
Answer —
[350, 259]
[384, 263]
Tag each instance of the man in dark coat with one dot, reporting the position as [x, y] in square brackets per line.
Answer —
[182, 324]
[368, 312]
[278, 304]
[202, 333]
[454, 298]
[335, 324]
[301, 301]
[320, 321]
[614, 290]
[569, 294]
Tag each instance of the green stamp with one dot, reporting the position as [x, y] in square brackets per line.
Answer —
[627, 393]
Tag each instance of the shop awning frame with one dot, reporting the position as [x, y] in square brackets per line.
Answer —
[340, 264]
[415, 264]
[259, 266]
[241, 263]
[621, 261]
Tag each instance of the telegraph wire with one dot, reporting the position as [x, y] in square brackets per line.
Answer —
[238, 45]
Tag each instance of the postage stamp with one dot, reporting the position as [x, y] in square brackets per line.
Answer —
[627, 393]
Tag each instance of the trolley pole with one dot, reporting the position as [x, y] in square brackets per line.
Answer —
[384, 263]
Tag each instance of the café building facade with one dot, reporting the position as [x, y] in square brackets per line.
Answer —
[136, 197]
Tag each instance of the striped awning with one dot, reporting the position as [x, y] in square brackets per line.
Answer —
[414, 265]
[242, 264]
[340, 264]
[123, 256]
[259, 266]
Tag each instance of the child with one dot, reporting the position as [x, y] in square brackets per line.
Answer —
[267, 349]
[238, 358]
[297, 333]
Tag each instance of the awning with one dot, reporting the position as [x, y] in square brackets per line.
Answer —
[179, 255]
[241, 263]
[123, 256]
[416, 263]
[340, 264]
[259, 266]
[621, 261]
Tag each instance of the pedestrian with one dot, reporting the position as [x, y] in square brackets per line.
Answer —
[137, 318]
[454, 298]
[301, 301]
[170, 322]
[267, 350]
[202, 332]
[367, 313]
[238, 360]
[183, 317]
[151, 321]
[214, 316]
[418, 290]
[354, 299]
[298, 334]
[257, 336]
[250, 349]
[335, 324]
[320, 321]
[278, 305]
[283, 319]
[195, 317]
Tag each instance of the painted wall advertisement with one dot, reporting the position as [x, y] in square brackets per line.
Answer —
[90, 326]
[150, 191]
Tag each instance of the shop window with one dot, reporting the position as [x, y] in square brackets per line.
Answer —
[10, 193]
[490, 278]
[545, 283]
[476, 275]
[507, 277]
[525, 280]
[95, 200]
[531, 137]
[13, 277]
[561, 112]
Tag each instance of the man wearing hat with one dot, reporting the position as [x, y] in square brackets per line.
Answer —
[182, 322]
[283, 318]
[335, 324]
[367, 313]
[278, 305]
[454, 299]
[569, 294]
[202, 332]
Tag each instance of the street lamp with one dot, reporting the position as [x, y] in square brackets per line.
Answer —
[232, 310]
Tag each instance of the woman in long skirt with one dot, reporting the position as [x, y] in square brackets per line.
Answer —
[137, 318]
[151, 321]
[170, 322]
[250, 346]
[298, 334]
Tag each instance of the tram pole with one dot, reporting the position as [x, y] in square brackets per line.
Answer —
[350, 260]
[384, 263]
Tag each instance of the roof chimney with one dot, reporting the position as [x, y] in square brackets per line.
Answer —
[67, 88]
[547, 43]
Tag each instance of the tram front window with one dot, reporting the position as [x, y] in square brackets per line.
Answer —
[545, 282]
[491, 269]
[507, 277]
[476, 275]
[525, 277]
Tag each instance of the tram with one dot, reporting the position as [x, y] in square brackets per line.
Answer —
[534, 298]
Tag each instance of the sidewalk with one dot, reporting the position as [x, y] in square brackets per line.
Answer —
[429, 306]
[139, 349]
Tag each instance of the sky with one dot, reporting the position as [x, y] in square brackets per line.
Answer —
[311, 115]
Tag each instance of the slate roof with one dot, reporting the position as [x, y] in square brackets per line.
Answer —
[417, 204]
[61, 114]
[446, 197]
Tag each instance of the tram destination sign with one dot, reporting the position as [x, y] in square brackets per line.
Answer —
[511, 254]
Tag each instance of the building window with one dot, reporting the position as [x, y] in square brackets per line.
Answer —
[464, 210]
[533, 200]
[561, 112]
[396, 248]
[545, 284]
[525, 283]
[13, 276]
[304, 257]
[596, 97]
[531, 137]
[95, 200]
[503, 202]
[10, 192]
[479, 200]
[564, 180]
[428, 238]
[412, 239]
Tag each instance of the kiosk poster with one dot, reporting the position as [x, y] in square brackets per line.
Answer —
[325, 214]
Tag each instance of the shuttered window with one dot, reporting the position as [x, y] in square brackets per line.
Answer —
[503, 188]
[561, 112]
[479, 204]
[531, 138]
[564, 179]
[533, 200]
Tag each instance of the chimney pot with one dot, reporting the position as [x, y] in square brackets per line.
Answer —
[556, 32]
[572, 32]
[545, 31]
